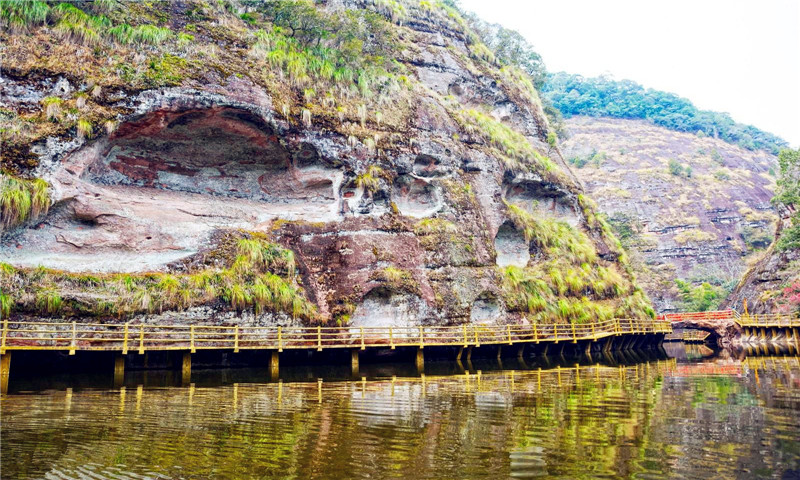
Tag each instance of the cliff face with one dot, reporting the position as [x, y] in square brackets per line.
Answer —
[691, 207]
[218, 181]
[767, 286]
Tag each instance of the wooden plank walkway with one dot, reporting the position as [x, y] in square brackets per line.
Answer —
[124, 338]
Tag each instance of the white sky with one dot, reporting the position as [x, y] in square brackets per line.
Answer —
[735, 56]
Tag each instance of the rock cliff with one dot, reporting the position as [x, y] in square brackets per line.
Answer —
[352, 163]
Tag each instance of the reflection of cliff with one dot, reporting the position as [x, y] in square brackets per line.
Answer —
[659, 418]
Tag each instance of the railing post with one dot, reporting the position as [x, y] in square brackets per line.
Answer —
[319, 337]
[5, 333]
[391, 338]
[280, 339]
[125, 340]
[508, 331]
[421, 337]
[191, 339]
[477, 341]
[73, 343]
[464, 327]
[362, 339]
[236, 339]
[141, 339]
[555, 332]
[594, 335]
[535, 333]
[574, 334]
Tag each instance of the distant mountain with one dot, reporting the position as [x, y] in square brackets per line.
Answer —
[604, 97]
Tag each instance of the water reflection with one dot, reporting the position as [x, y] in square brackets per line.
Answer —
[676, 418]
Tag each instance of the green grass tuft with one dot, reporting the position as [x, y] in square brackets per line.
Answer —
[21, 200]
[21, 14]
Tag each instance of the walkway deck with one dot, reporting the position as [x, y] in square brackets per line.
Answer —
[124, 338]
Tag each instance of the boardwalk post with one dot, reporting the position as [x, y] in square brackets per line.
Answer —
[5, 334]
[574, 334]
[508, 331]
[191, 341]
[354, 361]
[141, 339]
[555, 332]
[535, 334]
[464, 327]
[421, 337]
[236, 339]
[274, 371]
[362, 339]
[119, 369]
[5, 371]
[420, 360]
[280, 338]
[125, 340]
[319, 337]
[186, 368]
[391, 338]
[74, 342]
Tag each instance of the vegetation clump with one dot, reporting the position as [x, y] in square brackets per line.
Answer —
[517, 151]
[573, 284]
[258, 276]
[22, 200]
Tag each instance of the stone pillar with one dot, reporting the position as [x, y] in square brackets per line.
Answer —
[5, 371]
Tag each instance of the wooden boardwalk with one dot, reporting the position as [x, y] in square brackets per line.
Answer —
[124, 338]
[140, 338]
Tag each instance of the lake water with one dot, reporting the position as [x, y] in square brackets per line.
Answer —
[670, 418]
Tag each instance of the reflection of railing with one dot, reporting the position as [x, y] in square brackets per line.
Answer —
[688, 336]
[73, 336]
[773, 320]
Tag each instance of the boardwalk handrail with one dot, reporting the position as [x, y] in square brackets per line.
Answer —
[778, 320]
[141, 337]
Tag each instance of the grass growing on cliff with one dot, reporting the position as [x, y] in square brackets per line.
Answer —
[558, 238]
[259, 276]
[124, 34]
[370, 180]
[20, 15]
[512, 143]
[75, 24]
[571, 283]
[21, 200]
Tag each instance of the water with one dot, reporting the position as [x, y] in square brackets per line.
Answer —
[686, 418]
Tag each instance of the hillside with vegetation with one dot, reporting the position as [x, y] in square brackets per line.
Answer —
[693, 211]
[288, 162]
[605, 97]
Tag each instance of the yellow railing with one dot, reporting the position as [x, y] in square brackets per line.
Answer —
[771, 320]
[140, 337]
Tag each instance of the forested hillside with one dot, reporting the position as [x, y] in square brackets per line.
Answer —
[604, 97]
